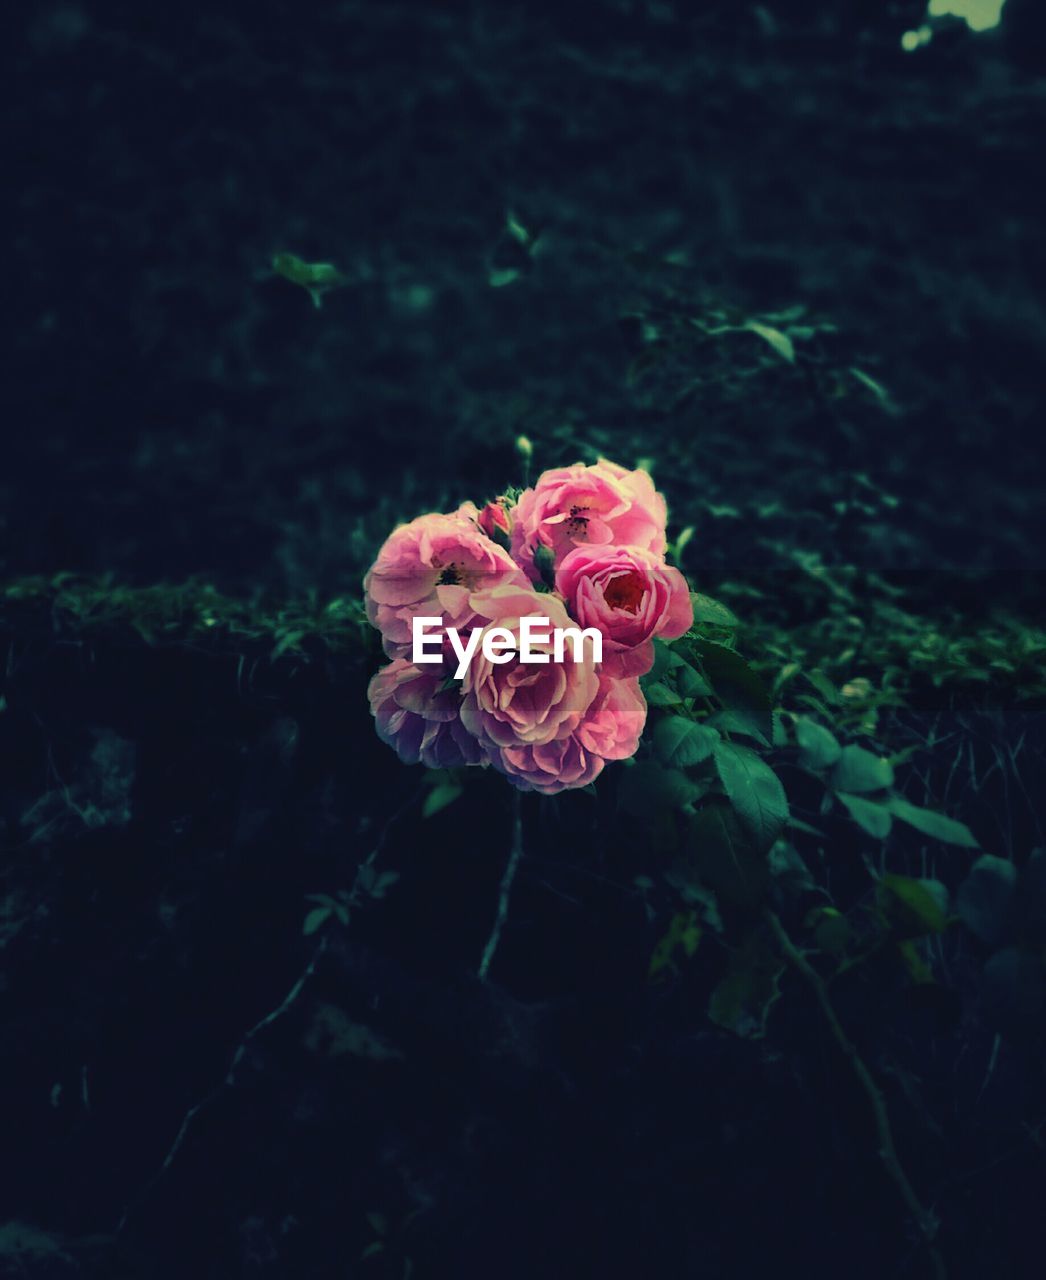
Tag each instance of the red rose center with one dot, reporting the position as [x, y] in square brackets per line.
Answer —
[624, 592]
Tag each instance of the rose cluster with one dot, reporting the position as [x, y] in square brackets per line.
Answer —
[594, 538]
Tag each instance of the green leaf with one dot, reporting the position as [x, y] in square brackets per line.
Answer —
[935, 825]
[660, 695]
[820, 748]
[867, 380]
[780, 342]
[316, 278]
[869, 816]
[681, 542]
[741, 1002]
[858, 770]
[723, 855]
[683, 935]
[737, 686]
[441, 795]
[831, 929]
[295, 269]
[517, 230]
[289, 640]
[664, 659]
[709, 612]
[985, 900]
[753, 789]
[383, 883]
[648, 787]
[912, 954]
[913, 907]
[692, 685]
[824, 687]
[728, 722]
[696, 895]
[316, 919]
[498, 277]
[788, 672]
[682, 742]
[797, 824]
[788, 868]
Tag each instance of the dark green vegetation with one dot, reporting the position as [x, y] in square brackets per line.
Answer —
[798, 272]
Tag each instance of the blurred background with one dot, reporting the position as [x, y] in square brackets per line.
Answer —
[863, 178]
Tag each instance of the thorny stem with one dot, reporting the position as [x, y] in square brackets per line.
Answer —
[273, 1014]
[229, 1079]
[511, 867]
[924, 1218]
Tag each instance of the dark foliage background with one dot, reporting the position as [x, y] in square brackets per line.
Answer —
[182, 765]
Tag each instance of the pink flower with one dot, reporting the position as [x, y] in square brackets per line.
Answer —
[430, 567]
[552, 767]
[496, 520]
[514, 703]
[614, 722]
[610, 730]
[420, 720]
[594, 505]
[631, 595]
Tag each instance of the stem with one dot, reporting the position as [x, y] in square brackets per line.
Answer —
[511, 867]
[925, 1219]
[229, 1079]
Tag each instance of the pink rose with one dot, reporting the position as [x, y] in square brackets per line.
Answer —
[525, 703]
[610, 730]
[420, 720]
[496, 520]
[593, 505]
[430, 567]
[614, 722]
[631, 595]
